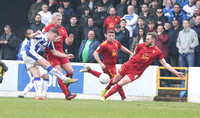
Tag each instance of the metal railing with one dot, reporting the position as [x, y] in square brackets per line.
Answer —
[159, 77]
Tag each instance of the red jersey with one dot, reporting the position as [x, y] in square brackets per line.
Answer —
[109, 51]
[110, 22]
[62, 32]
[144, 57]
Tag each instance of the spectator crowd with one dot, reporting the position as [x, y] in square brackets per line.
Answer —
[176, 22]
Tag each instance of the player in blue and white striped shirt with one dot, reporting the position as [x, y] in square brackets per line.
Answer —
[32, 59]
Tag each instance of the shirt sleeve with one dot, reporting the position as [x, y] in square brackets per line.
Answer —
[45, 29]
[100, 48]
[160, 55]
[38, 37]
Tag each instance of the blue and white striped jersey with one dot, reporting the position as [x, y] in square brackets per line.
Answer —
[38, 43]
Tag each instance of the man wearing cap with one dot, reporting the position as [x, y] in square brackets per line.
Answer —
[173, 35]
[3, 69]
[121, 37]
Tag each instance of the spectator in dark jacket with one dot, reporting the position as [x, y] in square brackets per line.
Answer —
[68, 9]
[8, 44]
[79, 8]
[35, 8]
[65, 18]
[99, 16]
[37, 25]
[90, 26]
[121, 8]
[140, 24]
[76, 30]
[87, 48]
[159, 18]
[197, 49]
[145, 13]
[120, 36]
[84, 18]
[173, 35]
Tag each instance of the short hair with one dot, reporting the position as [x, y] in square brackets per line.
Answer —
[38, 15]
[177, 4]
[54, 30]
[111, 31]
[152, 34]
[7, 26]
[145, 4]
[73, 16]
[45, 4]
[151, 21]
[141, 17]
[85, 7]
[55, 14]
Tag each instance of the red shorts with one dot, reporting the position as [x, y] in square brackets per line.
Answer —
[54, 60]
[110, 70]
[125, 70]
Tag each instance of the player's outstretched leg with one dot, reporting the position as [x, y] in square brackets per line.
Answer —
[116, 88]
[28, 87]
[103, 92]
[89, 70]
[66, 80]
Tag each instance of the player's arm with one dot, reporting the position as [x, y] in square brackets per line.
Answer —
[124, 49]
[34, 34]
[169, 68]
[96, 56]
[59, 54]
[69, 40]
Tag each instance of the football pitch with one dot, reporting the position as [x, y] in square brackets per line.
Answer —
[11, 107]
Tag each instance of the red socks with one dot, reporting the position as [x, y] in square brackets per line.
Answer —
[116, 88]
[63, 87]
[110, 84]
[95, 73]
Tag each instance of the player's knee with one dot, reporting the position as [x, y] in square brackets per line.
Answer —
[70, 72]
[45, 76]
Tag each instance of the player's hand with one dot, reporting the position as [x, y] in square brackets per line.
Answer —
[102, 66]
[70, 56]
[70, 39]
[180, 74]
[38, 32]
[66, 51]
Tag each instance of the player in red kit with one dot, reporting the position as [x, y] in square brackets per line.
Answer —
[109, 51]
[111, 21]
[143, 56]
[58, 62]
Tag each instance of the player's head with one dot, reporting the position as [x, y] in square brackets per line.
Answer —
[28, 33]
[52, 34]
[110, 36]
[150, 39]
[57, 19]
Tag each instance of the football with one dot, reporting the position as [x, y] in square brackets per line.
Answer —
[104, 78]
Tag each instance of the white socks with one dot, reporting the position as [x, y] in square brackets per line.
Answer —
[38, 86]
[45, 86]
[57, 73]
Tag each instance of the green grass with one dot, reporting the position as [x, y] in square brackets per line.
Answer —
[60, 108]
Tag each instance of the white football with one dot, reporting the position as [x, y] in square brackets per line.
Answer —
[104, 78]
